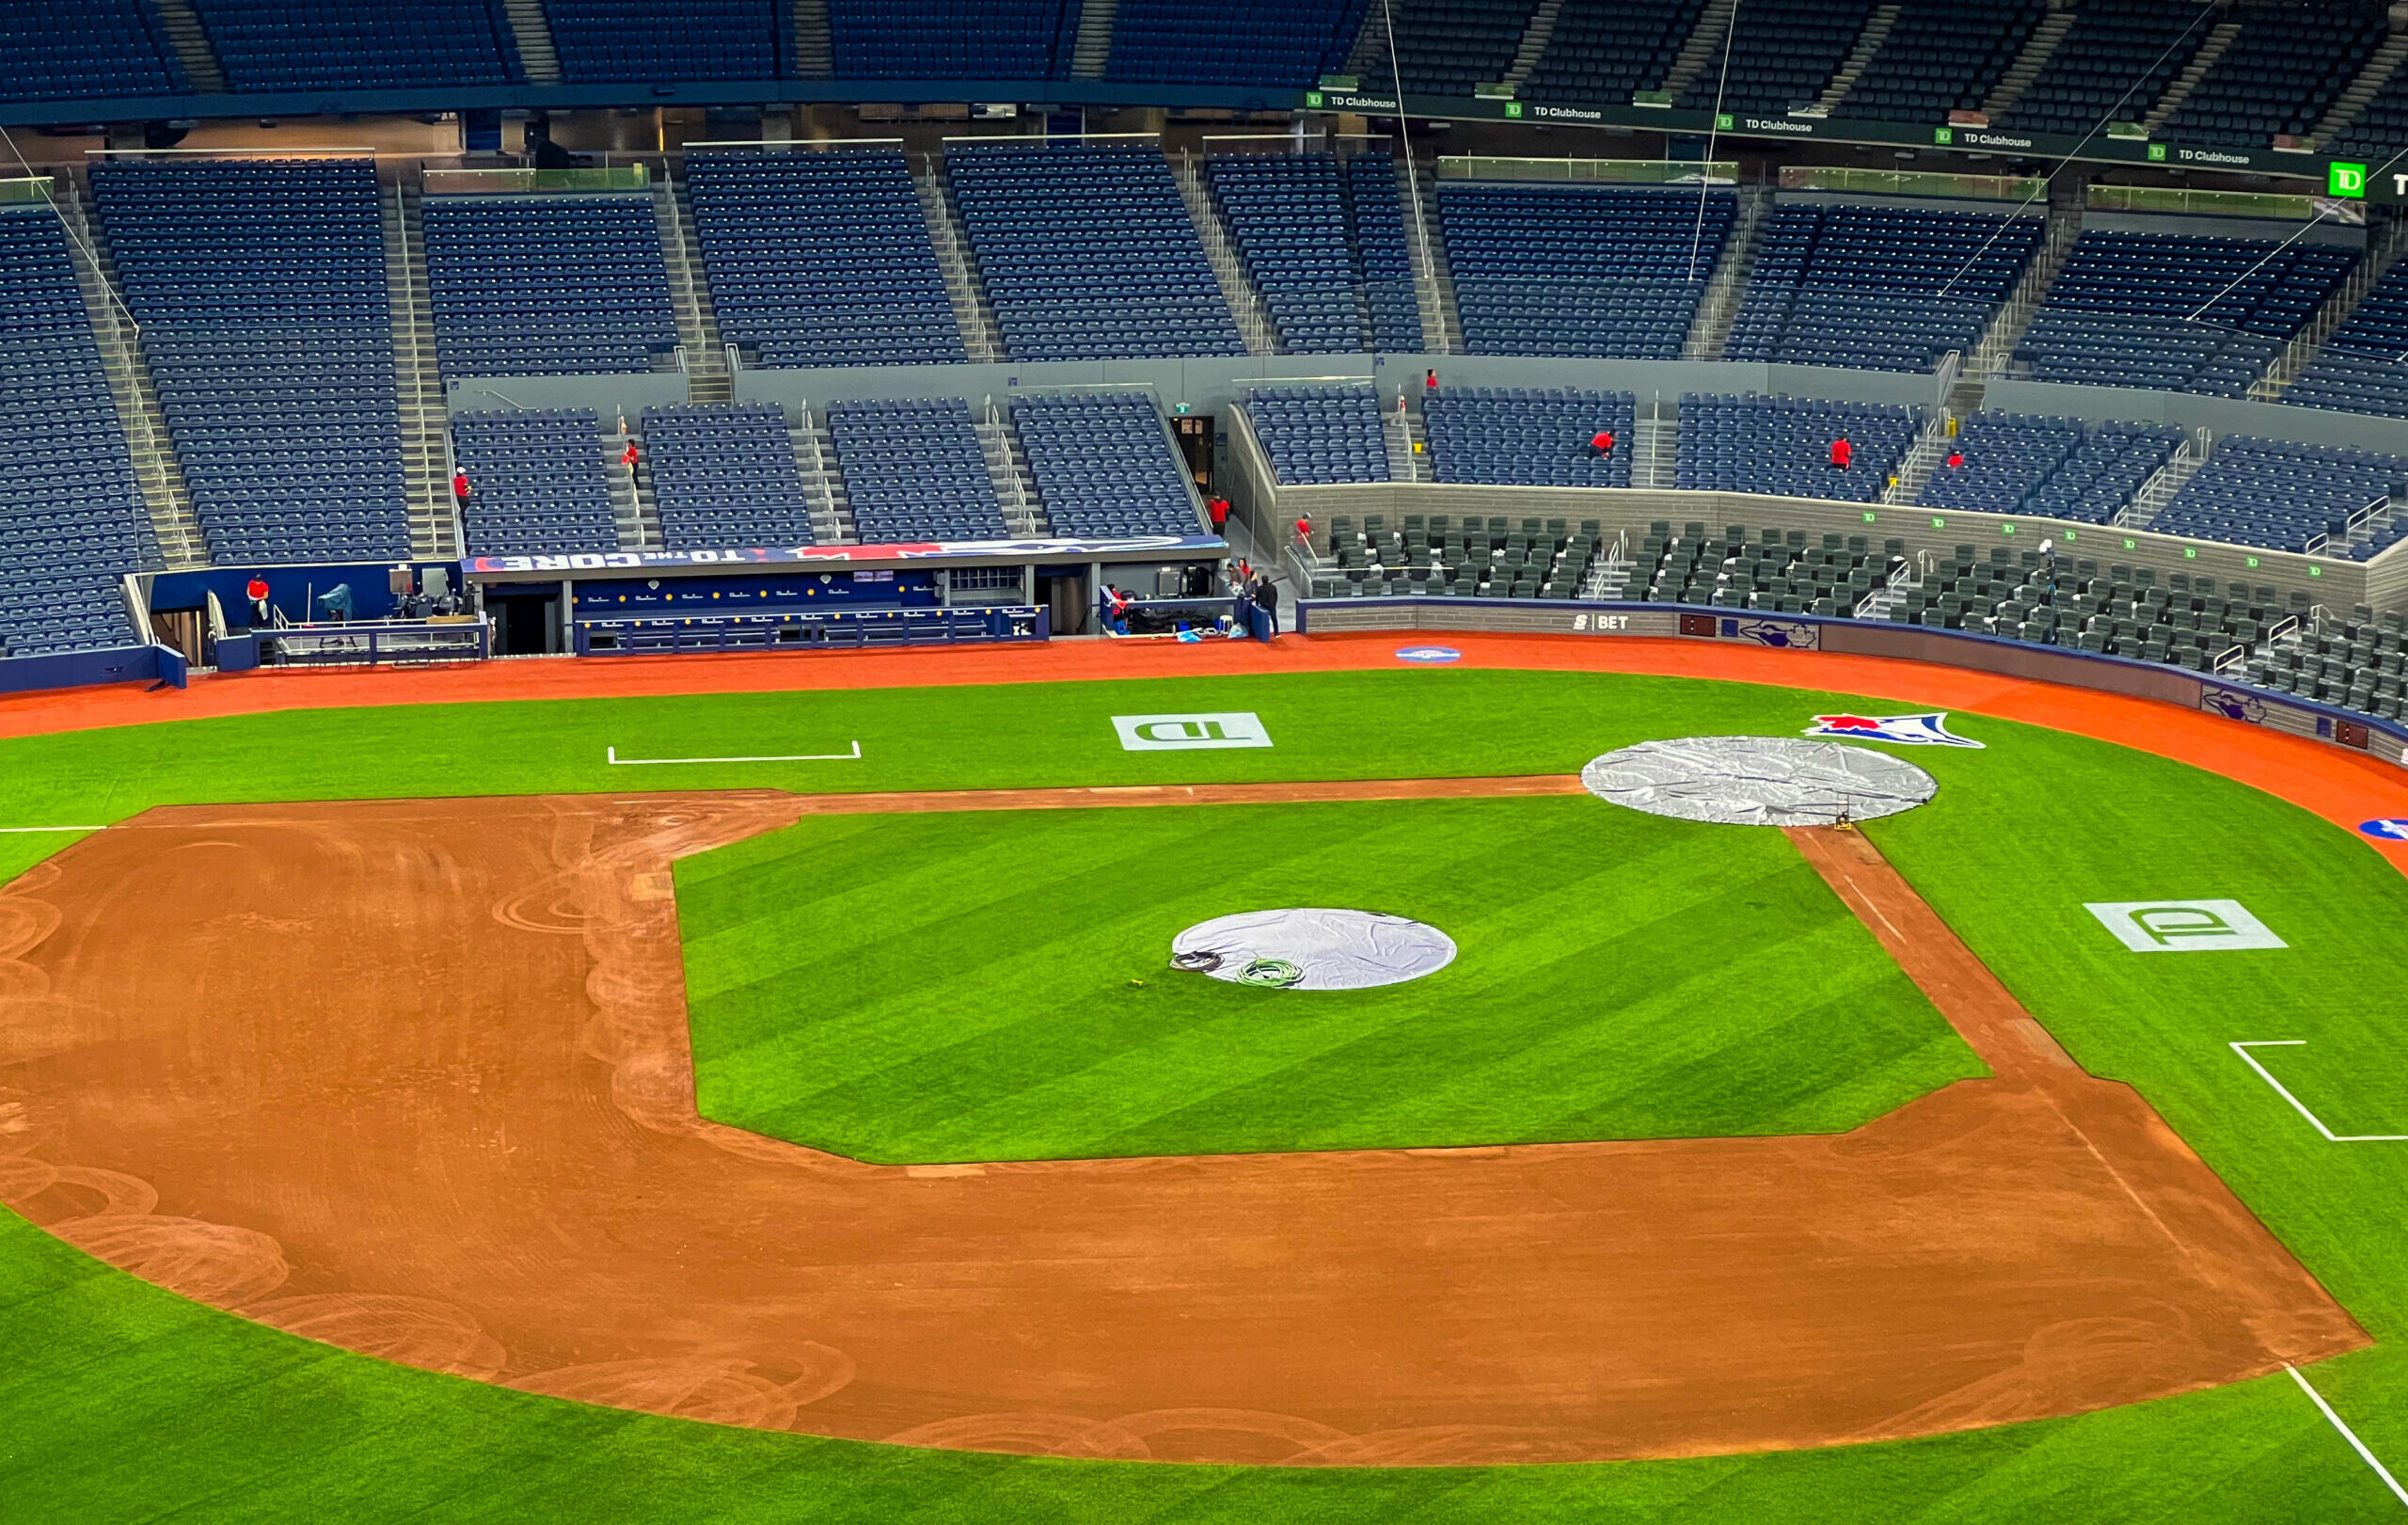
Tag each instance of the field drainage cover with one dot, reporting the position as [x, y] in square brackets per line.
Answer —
[1758, 781]
[1312, 949]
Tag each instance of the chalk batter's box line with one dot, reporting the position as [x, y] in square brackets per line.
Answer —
[2300, 1106]
[617, 761]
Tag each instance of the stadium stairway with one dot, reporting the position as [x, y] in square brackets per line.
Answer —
[815, 454]
[1007, 471]
[815, 46]
[1876, 31]
[2037, 50]
[1433, 289]
[1704, 47]
[1237, 287]
[1092, 50]
[2379, 71]
[2166, 484]
[426, 451]
[2219, 42]
[632, 509]
[1710, 330]
[2006, 330]
[709, 377]
[971, 313]
[191, 45]
[1535, 37]
[166, 495]
[532, 32]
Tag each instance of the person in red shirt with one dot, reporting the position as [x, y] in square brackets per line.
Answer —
[1842, 453]
[460, 487]
[1956, 460]
[632, 459]
[1430, 384]
[1304, 529]
[1602, 442]
[256, 590]
[1219, 509]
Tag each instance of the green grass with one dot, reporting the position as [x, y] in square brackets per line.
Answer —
[121, 1402]
[1620, 976]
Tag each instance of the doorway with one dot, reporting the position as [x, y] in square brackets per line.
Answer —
[525, 624]
[1195, 436]
[1063, 591]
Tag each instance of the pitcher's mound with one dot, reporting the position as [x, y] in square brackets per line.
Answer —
[1758, 781]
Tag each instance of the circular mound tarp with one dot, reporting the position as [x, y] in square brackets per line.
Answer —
[1312, 949]
[1758, 781]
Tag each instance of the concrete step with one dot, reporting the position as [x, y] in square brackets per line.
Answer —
[2201, 63]
[971, 313]
[814, 51]
[1704, 46]
[1237, 288]
[1868, 42]
[2377, 72]
[193, 47]
[1093, 48]
[533, 33]
[2037, 50]
[1535, 38]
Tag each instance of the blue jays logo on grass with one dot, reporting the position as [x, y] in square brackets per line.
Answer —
[1428, 653]
[1906, 730]
[2390, 828]
[1787, 633]
[2232, 704]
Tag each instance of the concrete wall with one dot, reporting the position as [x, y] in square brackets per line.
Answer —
[608, 395]
[2225, 415]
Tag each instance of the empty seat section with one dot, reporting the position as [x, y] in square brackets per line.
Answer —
[952, 39]
[1942, 55]
[260, 291]
[1288, 218]
[71, 520]
[546, 285]
[1781, 55]
[605, 40]
[2025, 464]
[2283, 495]
[1104, 465]
[2113, 65]
[2360, 368]
[2178, 311]
[2382, 128]
[536, 482]
[360, 44]
[2282, 73]
[1782, 446]
[1881, 288]
[726, 473]
[1289, 43]
[1606, 51]
[1607, 274]
[821, 259]
[70, 50]
[1376, 214]
[1087, 253]
[914, 471]
[1528, 438]
[1320, 434]
[1446, 47]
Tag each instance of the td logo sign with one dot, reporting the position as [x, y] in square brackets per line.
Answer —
[1190, 733]
[2183, 926]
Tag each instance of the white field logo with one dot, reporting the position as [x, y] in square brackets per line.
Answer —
[1190, 733]
[2183, 926]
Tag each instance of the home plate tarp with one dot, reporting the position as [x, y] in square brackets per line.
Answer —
[1312, 948]
[1758, 781]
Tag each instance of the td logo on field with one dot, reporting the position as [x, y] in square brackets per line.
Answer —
[1190, 733]
[2183, 926]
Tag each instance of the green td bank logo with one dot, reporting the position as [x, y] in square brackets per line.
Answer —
[2183, 926]
[1312, 99]
[1943, 135]
[1514, 108]
[2348, 180]
[1190, 733]
[2157, 154]
[1725, 121]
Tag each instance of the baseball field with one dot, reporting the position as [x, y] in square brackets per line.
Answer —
[452, 1098]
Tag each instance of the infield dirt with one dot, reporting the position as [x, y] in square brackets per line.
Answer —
[413, 1078]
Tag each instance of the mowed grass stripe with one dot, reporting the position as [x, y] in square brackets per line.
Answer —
[995, 985]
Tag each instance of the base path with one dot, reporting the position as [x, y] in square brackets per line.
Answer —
[414, 1078]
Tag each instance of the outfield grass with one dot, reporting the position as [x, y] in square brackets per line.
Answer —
[994, 985]
[122, 1402]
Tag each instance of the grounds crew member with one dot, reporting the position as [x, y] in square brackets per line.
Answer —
[1603, 443]
[1266, 597]
[256, 590]
[1841, 453]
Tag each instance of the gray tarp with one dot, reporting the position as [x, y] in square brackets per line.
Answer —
[1758, 781]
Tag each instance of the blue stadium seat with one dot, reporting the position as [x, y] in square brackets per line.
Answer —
[1104, 465]
[1942, 55]
[725, 474]
[260, 290]
[548, 284]
[360, 44]
[600, 41]
[913, 471]
[2359, 369]
[1781, 55]
[2018, 463]
[2114, 65]
[2284, 71]
[1607, 274]
[1606, 51]
[1089, 253]
[821, 259]
[1446, 47]
[1274, 43]
[2279, 495]
[952, 39]
[536, 482]
[68, 50]
[1528, 438]
[1782, 446]
[72, 518]
[1881, 288]
[1320, 434]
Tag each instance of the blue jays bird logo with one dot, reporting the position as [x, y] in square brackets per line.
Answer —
[1929, 730]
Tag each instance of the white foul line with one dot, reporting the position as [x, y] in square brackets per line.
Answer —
[2351, 1436]
[2314, 1122]
[617, 761]
[14, 831]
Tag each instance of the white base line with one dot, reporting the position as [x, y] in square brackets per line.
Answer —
[2346, 1434]
[2250, 1060]
[17, 831]
[617, 761]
